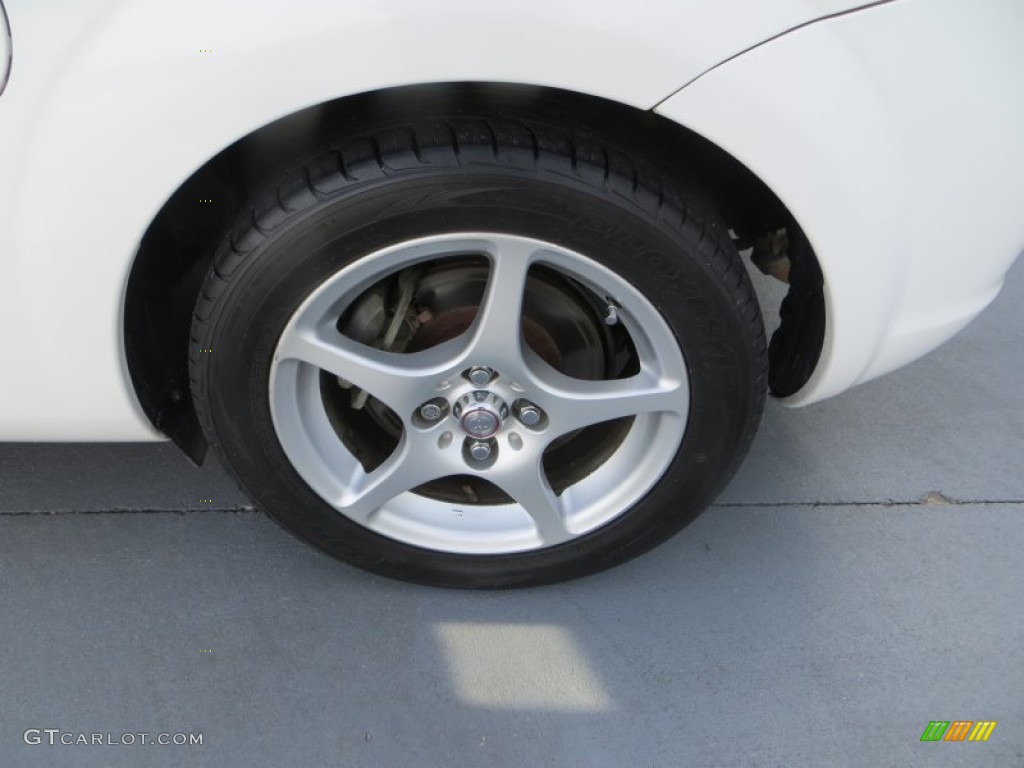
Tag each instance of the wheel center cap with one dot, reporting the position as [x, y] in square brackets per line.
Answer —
[480, 413]
[480, 423]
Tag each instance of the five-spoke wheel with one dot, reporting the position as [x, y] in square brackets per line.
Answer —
[483, 403]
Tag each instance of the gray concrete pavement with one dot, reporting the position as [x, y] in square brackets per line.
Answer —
[820, 614]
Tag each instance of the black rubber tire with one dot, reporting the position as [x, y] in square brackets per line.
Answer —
[510, 175]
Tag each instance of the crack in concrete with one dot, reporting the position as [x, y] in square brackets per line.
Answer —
[930, 500]
[131, 511]
[926, 502]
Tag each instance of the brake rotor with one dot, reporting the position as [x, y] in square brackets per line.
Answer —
[455, 322]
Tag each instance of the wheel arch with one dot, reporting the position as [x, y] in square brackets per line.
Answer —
[173, 257]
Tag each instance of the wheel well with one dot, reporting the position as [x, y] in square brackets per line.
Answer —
[178, 247]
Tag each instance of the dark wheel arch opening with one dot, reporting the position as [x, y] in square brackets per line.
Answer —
[177, 249]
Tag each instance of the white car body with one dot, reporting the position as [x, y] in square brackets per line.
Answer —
[893, 132]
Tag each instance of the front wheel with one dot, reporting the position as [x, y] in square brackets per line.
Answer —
[479, 354]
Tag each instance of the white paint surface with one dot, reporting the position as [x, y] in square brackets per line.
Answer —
[113, 104]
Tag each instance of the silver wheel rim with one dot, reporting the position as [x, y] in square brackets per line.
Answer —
[382, 499]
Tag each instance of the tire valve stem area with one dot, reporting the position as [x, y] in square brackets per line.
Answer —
[611, 311]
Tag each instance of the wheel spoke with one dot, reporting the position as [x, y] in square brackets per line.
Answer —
[400, 381]
[402, 471]
[528, 485]
[572, 404]
[497, 330]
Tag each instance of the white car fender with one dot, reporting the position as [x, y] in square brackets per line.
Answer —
[895, 136]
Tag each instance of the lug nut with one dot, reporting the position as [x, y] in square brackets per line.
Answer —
[431, 411]
[480, 450]
[480, 376]
[529, 414]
